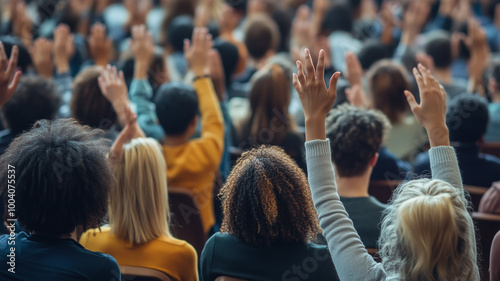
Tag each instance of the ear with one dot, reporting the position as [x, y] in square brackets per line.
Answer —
[373, 161]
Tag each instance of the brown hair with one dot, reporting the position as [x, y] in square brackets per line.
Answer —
[88, 105]
[266, 199]
[261, 34]
[387, 83]
[269, 121]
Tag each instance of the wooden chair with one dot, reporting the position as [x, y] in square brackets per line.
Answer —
[487, 226]
[227, 278]
[136, 273]
[186, 223]
[492, 148]
[383, 189]
[476, 193]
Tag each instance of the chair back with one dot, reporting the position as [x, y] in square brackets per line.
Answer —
[492, 148]
[476, 193]
[137, 273]
[227, 278]
[383, 189]
[487, 226]
[186, 223]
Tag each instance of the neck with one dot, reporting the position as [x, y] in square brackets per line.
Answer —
[71, 235]
[354, 186]
[443, 75]
[176, 140]
[260, 63]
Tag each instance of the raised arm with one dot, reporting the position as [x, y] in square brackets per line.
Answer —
[8, 71]
[348, 253]
[431, 114]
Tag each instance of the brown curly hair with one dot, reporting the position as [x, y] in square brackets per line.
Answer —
[266, 199]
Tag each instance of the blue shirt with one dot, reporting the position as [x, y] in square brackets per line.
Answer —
[493, 131]
[40, 257]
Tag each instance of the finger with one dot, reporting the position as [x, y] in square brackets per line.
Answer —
[122, 77]
[296, 84]
[187, 46]
[333, 84]
[420, 80]
[105, 75]
[13, 61]
[3, 57]
[102, 85]
[15, 81]
[300, 73]
[425, 75]
[309, 66]
[411, 100]
[320, 69]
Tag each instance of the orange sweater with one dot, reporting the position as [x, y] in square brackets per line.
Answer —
[194, 165]
[175, 257]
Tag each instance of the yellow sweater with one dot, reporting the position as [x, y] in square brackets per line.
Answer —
[177, 258]
[194, 165]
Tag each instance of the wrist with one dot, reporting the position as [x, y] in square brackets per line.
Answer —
[438, 136]
[198, 72]
[62, 66]
[141, 70]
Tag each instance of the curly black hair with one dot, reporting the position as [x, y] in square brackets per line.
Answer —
[62, 177]
[266, 200]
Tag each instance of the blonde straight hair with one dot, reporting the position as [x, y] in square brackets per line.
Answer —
[428, 234]
[139, 209]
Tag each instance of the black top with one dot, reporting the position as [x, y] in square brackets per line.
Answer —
[226, 255]
[366, 215]
[40, 257]
[389, 167]
[477, 169]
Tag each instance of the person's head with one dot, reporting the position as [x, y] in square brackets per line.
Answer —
[177, 109]
[387, 82]
[494, 80]
[173, 9]
[229, 56]
[180, 29]
[438, 47]
[270, 96]
[338, 18]
[267, 200]
[138, 206]
[467, 118]
[356, 135]
[261, 36]
[88, 105]
[62, 177]
[24, 61]
[428, 234]
[372, 52]
[35, 98]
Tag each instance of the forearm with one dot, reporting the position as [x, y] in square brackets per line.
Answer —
[140, 95]
[444, 166]
[211, 114]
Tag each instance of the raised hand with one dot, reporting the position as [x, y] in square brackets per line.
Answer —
[100, 46]
[217, 73]
[142, 46]
[477, 42]
[130, 131]
[22, 24]
[114, 88]
[431, 112]
[354, 69]
[356, 96]
[197, 51]
[64, 47]
[41, 55]
[7, 69]
[317, 100]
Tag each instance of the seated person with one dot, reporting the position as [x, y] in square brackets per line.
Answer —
[192, 164]
[493, 130]
[62, 181]
[141, 192]
[268, 121]
[467, 119]
[269, 219]
[35, 98]
[495, 258]
[356, 135]
[490, 201]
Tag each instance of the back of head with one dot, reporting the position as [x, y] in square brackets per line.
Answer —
[229, 56]
[356, 135]
[266, 200]
[428, 234]
[261, 35]
[24, 61]
[62, 177]
[467, 118]
[180, 28]
[438, 47]
[88, 105]
[387, 82]
[372, 52]
[338, 18]
[176, 107]
[139, 201]
[35, 98]
[270, 96]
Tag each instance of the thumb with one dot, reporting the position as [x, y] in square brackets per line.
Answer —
[411, 100]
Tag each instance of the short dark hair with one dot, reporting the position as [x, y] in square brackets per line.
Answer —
[261, 34]
[438, 47]
[24, 60]
[180, 28]
[266, 200]
[356, 135]
[467, 118]
[62, 177]
[35, 98]
[338, 18]
[372, 52]
[88, 105]
[176, 107]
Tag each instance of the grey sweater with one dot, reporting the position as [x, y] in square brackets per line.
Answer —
[348, 253]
